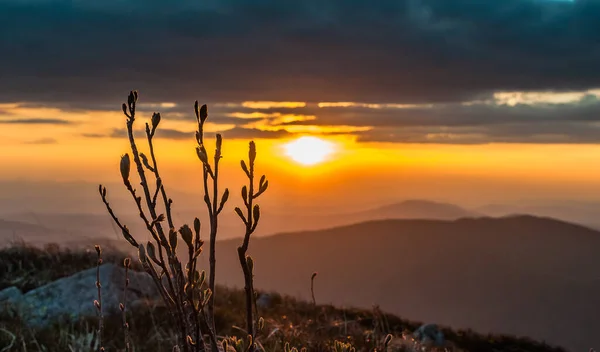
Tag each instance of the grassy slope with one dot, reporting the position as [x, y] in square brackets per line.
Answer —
[297, 322]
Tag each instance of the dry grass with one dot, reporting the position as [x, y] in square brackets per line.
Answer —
[287, 320]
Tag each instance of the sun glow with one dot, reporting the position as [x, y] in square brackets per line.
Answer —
[309, 150]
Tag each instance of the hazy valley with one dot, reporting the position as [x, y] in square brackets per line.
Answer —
[423, 260]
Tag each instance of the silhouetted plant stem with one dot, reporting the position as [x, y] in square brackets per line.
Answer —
[251, 221]
[98, 303]
[183, 292]
[123, 306]
[214, 206]
[312, 288]
[132, 101]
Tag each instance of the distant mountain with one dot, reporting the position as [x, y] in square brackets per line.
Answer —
[418, 209]
[521, 275]
[100, 224]
[409, 209]
[581, 213]
[16, 231]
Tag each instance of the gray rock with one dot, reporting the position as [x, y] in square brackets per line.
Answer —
[10, 299]
[11, 295]
[73, 297]
[430, 334]
[264, 301]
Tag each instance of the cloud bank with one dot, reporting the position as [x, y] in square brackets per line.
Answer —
[459, 69]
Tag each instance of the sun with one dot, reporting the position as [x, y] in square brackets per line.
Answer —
[309, 150]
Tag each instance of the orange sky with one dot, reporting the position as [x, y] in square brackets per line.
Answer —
[353, 175]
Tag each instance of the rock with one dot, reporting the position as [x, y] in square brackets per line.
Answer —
[430, 334]
[73, 297]
[10, 299]
[10, 295]
[264, 301]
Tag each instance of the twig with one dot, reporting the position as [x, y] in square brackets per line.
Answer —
[123, 306]
[13, 338]
[251, 221]
[98, 302]
[312, 287]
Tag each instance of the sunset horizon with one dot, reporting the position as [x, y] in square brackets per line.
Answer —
[299, 176]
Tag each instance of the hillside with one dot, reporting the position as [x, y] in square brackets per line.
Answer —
[520, 275]
[286, 319]
[15, 231]
[408, 209]
[418, 209]
[577, 212]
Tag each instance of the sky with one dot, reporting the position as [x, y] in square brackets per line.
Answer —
[465, 101]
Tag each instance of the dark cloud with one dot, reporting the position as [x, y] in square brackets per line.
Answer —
[95, 135]
[165, 133]
[43, 141]
[234, 133]
[455, 115]
[378, 51]
[36, 121]
[251, 133]
[554, 132]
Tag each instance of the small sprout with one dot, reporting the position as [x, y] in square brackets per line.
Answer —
[250, 342]
[128, 236]
[155, 121]
[219, 142]
[387, 340]
[245, 194]
[197, 226]
[142, 254]
[146, 162]
[252, 153]
[152, 251]
[203, 113]
[125, 168]
[256, 213]
[186, 235]
[262, 188]
[196, 110]
[197, 253]
[159, 218]
[207, 294]
[224, 199]
[240, 214]
[98, 250]
[245, 168]
[97, 304]
[261, 324]
[202, 278]
[201, 152]
[225, 345]
[173, 240]
[130, 99]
